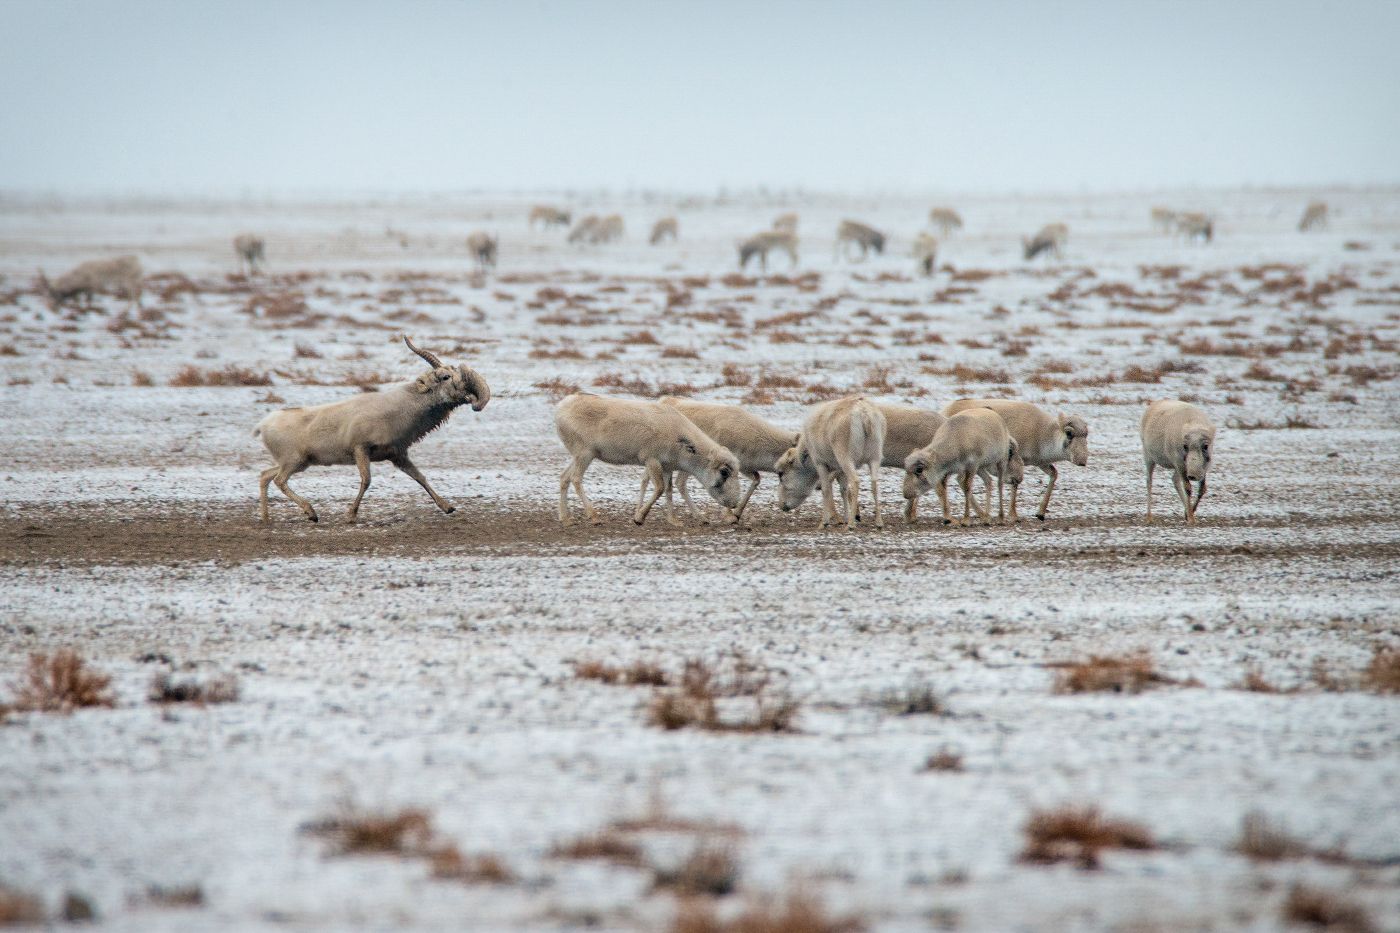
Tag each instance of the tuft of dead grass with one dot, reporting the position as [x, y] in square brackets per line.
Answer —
[353, 831]
[60, 683]
[221, 689]
[174, 896]
[557, 388]
[1079, 834]
[636, 674]
[141, 379]
[606, 845]
[1129, 673]
[679, 353]
[945, 759]
[696, 701]
[1382, 675]
[917, 698]
[1326, 910]
[1261, 840]
[231, 375]
[19, 907]
[447, 863]
[798, 911]
[710, 869]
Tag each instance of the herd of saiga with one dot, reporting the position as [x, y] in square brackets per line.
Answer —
[717, 444]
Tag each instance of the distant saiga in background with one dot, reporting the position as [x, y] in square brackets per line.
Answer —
[483, 247]
[667, 228]
[251, 252]
[760, 244]
[1314, 217]
[549, 216]
[1050, 240]
[947, 220]
[120, 276]
[852, 235]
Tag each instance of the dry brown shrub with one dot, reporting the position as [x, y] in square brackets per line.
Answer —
[1255, 682]
[1079, 834]
[1383, 673]
[634, 385]
[636, 674]
[772, 380]
[965, 373]
[1263, 841]
[447, 863]
[563, 353]
[736, 280]
[639, 338]
[1326, 910]
[353, 831]
[166, 689]
[1291, 423]
[694, 702]
[175, 896]
[141, 379]
[607, 845]
[785, 336]
[735, 375]
[19, 907]
[679, 353]
[1130, 673]
[305, 351]
[877, 379]
[914, 699]
[231, 375]
[758, 397]
[709, 869]
[678, 389]
[557, 388]
[1365, 375]
[797, 912]
[60, 683]
[1259, 371]
[945, 759]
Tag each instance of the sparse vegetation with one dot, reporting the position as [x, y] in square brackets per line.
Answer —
[696, 701]
[175, 897]
[1383, 673]
[710, 869]
[165, 688]
[636, 674]
[557, 388]
[607, 845]
[192, 376]
[1130, 673]
[19, 907]
[917, 698]
[945, 759]
[1079, 834]
[60, 683]
[406, 833]
[798, 911]
[1326, 910]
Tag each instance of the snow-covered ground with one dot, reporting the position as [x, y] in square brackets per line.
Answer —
[418, 659]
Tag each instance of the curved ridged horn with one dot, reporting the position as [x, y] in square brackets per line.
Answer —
[433, 361]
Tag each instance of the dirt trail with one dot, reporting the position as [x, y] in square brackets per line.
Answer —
[157, 535]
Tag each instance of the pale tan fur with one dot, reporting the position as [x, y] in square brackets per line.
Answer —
[583, 231]
[756, 443]
[1314, 218]
[608, 229]
[120, 277]
[483, 249]
[1042, 439]
[549, 216]
[1164, 219]
[1050, 239]
[1178, 436]
[367, 428]
[926, 252]
[972, 441]
[624, 432]
[1194, 225]
[837, 439]
[760, 243]
[786, 222]
[853, 233]
[667, 228]
[946, 220]
[250, 251]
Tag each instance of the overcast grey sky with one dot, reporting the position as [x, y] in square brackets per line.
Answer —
[416, 96]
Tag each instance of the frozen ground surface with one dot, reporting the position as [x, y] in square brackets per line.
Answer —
[426, 660]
